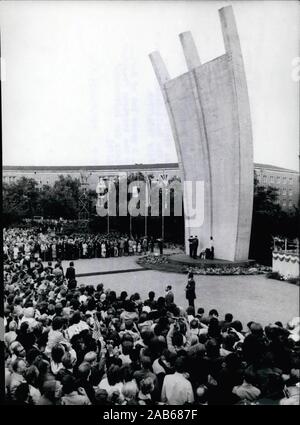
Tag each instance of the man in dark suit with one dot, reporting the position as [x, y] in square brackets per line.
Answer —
[70, 273]
[195, 246]
[191, 242]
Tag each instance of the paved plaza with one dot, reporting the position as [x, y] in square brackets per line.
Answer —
[246, 297]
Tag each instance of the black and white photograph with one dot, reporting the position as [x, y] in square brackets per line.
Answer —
[150, 206]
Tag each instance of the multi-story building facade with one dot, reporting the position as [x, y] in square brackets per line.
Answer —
[285, 180]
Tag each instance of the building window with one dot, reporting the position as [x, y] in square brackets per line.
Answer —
[265, 179]
[290, 204]
[284, 180]
[290, 192]
[278, 179]
[271, 179]
[291, 180]
[284, 204]
[284, 192]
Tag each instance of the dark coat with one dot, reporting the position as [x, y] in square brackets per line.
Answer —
[190, 290]
[70, 274]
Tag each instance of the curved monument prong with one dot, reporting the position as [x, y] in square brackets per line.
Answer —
[190, 50]
[160, 68]
[229, 31]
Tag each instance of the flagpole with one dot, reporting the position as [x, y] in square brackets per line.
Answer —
[108, 209]
[146, 204]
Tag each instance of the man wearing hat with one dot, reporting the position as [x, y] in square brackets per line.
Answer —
[191, 241]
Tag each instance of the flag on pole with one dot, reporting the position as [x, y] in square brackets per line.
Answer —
[165, 181]
[147, 192]
[101, 191]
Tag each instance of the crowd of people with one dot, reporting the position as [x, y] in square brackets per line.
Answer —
[70, 344]
[51, 246]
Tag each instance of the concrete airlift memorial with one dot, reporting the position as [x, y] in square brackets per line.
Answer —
[209, 112]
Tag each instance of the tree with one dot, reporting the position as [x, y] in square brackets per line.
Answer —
[268, 220]
[20, 200]
[62, 199]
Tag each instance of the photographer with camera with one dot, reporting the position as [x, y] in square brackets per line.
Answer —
[179, 335]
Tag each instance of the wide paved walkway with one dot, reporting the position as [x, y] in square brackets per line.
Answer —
[246, 297]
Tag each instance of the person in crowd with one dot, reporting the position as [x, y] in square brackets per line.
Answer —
[190, 292]
[70, 272]
[169, 297]
[177, 389]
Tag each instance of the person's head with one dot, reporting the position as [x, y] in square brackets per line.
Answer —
[190, 311]
[24, 328]
[146, 363]
[151, 295]
[190, 275]
[127, 347]
[19, 366]
[31, 375]
[52, 390]
[228, 317]
[12, 326]
[256, 329]
[101, 396]
[91, 358]
[68, 360]
[68, 384]
[147, 386]
[129, 390]
[180, 364]
[18, 349]
[99, 287]
[57, 353]
[57, 323]
[71, 264]
[237, 325]
[200, 311]
[194, 324]
[212, 348]
[123, 295]
[114, 374]
[213, 313]
[201, 394]
[76, 317]
[58, 309]
[84, 370]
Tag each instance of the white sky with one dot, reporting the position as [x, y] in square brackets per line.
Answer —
[80, 88]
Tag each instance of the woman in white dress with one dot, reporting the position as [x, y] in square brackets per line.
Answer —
[103, 250]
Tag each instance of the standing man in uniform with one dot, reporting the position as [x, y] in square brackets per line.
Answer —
[195, 247]
[191, 241]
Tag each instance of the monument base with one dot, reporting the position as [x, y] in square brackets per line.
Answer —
[185, 260]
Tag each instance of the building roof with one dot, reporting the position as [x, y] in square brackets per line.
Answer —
[274, 168]
[169, 165]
